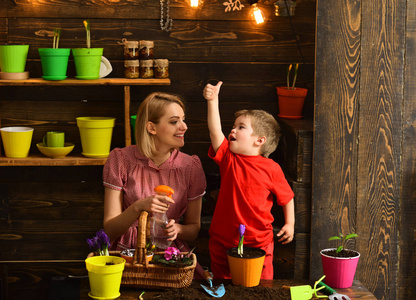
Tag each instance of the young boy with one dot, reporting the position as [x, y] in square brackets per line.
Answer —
[248, 181]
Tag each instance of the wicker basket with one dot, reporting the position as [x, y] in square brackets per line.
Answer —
[144, 275]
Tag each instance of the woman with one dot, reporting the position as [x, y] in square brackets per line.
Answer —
[131, 173]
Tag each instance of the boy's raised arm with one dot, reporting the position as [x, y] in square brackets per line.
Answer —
[211, 93]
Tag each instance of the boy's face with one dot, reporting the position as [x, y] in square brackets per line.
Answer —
[242, 139]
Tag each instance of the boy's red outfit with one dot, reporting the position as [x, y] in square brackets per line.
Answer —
[246, 197]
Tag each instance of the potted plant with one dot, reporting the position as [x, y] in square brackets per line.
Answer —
[87, 60]
[104, 271]
[291, 98]
[54, 60]
[246, 263]
[339, 264]
[172, 257]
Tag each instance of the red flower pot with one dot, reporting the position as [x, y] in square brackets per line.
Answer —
[291, 102]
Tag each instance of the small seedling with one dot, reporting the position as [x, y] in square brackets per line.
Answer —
[288, 69]
[88, 32]
[343, 240]
[56, 36]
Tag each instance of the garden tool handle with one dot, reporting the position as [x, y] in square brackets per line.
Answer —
[327, 290]
[207, 275]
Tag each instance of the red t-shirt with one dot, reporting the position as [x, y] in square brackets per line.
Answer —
[246, 197]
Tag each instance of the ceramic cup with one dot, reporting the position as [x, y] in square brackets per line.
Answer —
[54, 139]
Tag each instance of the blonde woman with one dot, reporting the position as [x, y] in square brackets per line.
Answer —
[131, 173]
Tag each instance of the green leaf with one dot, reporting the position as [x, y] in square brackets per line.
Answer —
[339, 249]
[351, 235]
[332, 238]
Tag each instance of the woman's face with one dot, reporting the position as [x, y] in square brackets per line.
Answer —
[169, 132]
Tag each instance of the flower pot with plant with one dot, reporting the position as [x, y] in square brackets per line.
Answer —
[246, 263]
[291, 98]
[87, 60]
[339, 264]
[104, 271]
[54, 60]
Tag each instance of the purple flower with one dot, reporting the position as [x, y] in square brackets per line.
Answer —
[103, 238]
[242, 229]
[100, 242]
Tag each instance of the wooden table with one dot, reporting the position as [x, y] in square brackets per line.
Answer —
[357, 291]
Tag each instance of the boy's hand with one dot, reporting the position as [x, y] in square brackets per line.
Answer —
[286, 233]
[212, 91]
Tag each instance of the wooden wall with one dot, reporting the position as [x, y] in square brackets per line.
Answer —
[364, 160]
[46, 213]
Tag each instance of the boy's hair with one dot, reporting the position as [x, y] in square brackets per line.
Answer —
[264, 124]
[152, 109]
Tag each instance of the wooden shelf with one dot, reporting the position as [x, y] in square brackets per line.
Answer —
[74, 81]
[40, 160]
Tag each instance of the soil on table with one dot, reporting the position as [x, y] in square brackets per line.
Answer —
[231, 292]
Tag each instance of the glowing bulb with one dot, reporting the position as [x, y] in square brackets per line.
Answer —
[258, 14]
[194, 3]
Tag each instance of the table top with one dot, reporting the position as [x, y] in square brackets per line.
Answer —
[268, 289]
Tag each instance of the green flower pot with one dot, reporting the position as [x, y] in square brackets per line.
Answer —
[87, 62]
[13, 58]
[54, 62]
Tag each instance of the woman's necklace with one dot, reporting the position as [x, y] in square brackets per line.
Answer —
[168, 23]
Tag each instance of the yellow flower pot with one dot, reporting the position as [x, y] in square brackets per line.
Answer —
[104, 273]
[246, 271]
[96, 133]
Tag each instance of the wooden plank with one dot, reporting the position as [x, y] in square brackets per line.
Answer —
[406, 288]
[138, 9]
[379, 162]
[77, 82]
[302, 256]
[202, 41]
[32, 280]
[43, 239]
[41, 160]
[294, 153]
[335, 125]
[303, 204]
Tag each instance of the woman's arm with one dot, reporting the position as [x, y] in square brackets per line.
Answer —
[116, 221]
[189, 230]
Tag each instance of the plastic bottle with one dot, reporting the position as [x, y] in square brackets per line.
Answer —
[160, 220]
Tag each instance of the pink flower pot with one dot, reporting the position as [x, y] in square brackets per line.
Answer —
[339, 271]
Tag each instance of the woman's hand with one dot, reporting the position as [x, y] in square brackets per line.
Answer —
[155, 203]
[172, 230]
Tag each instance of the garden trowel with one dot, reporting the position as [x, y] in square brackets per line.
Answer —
[305, 292]
[215, 291]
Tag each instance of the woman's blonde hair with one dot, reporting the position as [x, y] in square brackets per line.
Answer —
[152, 109]
[264, 124]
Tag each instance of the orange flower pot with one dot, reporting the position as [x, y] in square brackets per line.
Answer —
[291, 102]
[246, 271]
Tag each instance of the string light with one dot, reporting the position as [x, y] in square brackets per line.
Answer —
[194, 3]
[258, 14]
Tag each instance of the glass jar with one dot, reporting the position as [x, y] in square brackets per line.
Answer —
[161, 67]
[146, 50]
[131, 68]
[146, 68]
[131, 49]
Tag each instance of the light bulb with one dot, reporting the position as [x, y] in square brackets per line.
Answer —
[194, 3]
[258, 14]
